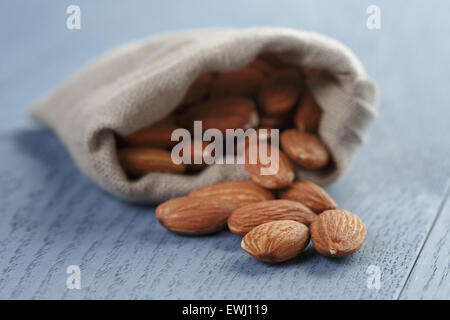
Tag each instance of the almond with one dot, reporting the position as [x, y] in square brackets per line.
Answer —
[222, 114]
[243, 82]
[193, 215]
[305, 149]
[276, 241]
[308, 114]
[282, 178]
[273, 59]
[245, 218]
[275, 122]
[140, 161]
[309, 194]
[157, 136]
[193, 167]
[199, 89]
[262, 66]
[262, 134]
[338, 233]
[281, 91]
[238, 192]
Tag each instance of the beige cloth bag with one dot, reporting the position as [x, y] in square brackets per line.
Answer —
[141, 82]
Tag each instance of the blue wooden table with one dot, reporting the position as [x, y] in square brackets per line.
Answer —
[53, 217]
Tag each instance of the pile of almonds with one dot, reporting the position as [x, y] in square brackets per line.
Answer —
[275, 214]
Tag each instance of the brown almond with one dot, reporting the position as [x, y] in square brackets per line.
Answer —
[140, 161]
[261, 135]
[281, 91]
[193, 167]
[309, 194]
[238, 192]
[157, 136]
[199, 89]
[193, 215]
[242, 82]
[245, 218]
[222, 114]
[274, 60]
[305, 149]
[280, 179]
[275, 122]
[276, 241]
[338, 233]
[308, 114]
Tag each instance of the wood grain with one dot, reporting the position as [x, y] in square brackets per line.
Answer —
[430, 277]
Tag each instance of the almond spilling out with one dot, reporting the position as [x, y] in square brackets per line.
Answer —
[222, 113]
[276, 173]
[276, 241]
[157, 136]
[238, 192]
[309, 194]
[337, 233]
[194, 215]
[305, 149]
[140, 161]
[243, 82]
[308, 114]
[281, 91]
[245, 218]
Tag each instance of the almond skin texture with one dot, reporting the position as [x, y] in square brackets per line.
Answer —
[239, 192]
[305, 149]
[245, 218]
[157, 136]
[281, 91]
[280, 179]
[222, 114]
[275, 122]
[337, 233]
[276, 241]
[193, 215]
[308, 114]
[242, 82]
[309, 194]
[273, 59]
[199, 89]
[139, 161]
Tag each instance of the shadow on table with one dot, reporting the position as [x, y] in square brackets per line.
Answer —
[42, 145]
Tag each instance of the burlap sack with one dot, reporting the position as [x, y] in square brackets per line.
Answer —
[141, 82]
